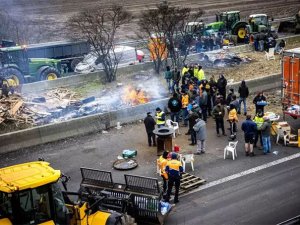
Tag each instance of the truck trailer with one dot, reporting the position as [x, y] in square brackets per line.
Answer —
[290, 82]
[70, 53]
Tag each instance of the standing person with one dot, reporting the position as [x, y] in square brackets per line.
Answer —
[150, 126]
[260, 102]
[174, 170]
[232, 119]
[176, 79]
[207, 88]
[193, 116]
[200, 74]
[160, 117]
[200, 129]
[168, 77]
[174, 105]
[229, 96]
[213, 90]
[266, 133]
[259, 120]
[235, 102]
[184, 102]
[185, 81]
[244, 93]
[221, 84]
[184, 69]
[219, 113]
[162, 163]
[249, 127]
[203, 103]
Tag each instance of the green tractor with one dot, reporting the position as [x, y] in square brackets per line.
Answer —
[231, 22]
[16, 68]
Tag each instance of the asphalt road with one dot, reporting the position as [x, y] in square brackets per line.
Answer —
[268, 196]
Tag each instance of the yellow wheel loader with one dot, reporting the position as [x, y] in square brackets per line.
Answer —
[30, 194]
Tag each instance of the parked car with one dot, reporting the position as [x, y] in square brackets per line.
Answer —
[126, 55]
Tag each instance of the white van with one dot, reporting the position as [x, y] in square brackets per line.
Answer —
[126, 55]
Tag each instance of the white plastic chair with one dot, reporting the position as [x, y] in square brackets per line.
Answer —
[282, 134]
[188, 158]
[231, 147]
[270, 54]
[173, 125]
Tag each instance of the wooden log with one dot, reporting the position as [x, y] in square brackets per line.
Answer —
[16, 107]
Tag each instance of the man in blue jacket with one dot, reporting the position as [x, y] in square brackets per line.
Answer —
[249, 128]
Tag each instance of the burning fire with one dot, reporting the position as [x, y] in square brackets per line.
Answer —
[134, 96]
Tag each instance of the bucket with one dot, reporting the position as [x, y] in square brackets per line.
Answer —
[176, 148]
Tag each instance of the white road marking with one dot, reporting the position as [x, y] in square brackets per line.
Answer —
[243, 173]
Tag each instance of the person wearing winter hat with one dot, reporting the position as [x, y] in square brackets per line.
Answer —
[174, 170]
[150, 126]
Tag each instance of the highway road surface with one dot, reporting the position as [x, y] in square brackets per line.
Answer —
[262, 196]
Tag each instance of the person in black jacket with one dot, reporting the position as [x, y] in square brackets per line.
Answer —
[260, 102]
[221, 84]
[193, 116]
[244, 93]
[150, 126]
[174, 105]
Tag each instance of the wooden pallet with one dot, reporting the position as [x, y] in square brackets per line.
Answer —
[189, 182]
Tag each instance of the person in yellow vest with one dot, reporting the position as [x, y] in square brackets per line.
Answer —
[200, 74]
[185, 102]
[162, 163]
[259, 120]
[232, 119]
[184, 70]
[174, 170]
[160, 117]
[196, 70]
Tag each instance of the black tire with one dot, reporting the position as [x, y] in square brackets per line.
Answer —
[73, 64]
[50, 73]
[237, 29]
[12, 74]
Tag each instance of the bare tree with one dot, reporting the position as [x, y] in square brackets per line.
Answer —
[170, 23]
[99, 27]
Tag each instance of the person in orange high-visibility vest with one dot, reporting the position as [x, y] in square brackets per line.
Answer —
[184, 102]
[162, 163]
[174, 170]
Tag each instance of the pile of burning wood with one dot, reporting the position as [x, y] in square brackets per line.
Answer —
[13, 110]
[18, 110]
[62, 104]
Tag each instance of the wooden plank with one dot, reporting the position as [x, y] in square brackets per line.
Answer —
[16, 107]
[190, 180]
[194, 185]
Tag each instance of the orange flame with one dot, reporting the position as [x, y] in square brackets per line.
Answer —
[134, 96]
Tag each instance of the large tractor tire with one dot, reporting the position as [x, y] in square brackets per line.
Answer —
[49, 73]
[73, 64]
[240, 30]
[13, 76]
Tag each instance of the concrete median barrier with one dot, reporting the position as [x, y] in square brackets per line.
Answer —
[75, 127]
